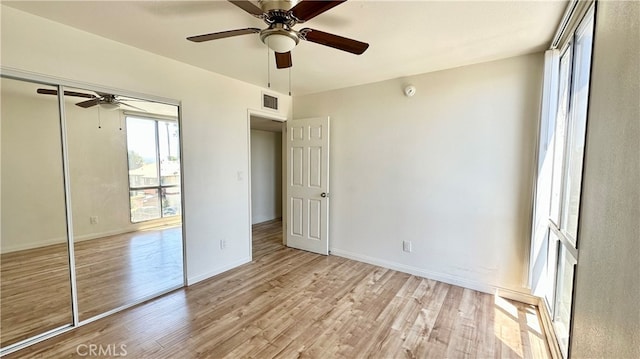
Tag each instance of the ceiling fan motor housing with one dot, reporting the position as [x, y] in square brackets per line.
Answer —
[286, 5]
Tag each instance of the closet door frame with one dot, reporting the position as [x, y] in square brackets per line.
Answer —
[61, 84]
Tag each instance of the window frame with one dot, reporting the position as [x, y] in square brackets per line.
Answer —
[562, 245]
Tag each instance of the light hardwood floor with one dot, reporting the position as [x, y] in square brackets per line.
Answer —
[35, 295]
[294, 304]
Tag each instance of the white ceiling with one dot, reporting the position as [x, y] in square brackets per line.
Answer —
[405, 37]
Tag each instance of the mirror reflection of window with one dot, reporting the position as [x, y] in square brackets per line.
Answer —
[154, 168]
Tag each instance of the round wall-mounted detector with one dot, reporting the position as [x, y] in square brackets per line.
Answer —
[409, 90]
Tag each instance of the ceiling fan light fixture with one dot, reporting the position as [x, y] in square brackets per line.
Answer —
[279, 39]
[281, 43]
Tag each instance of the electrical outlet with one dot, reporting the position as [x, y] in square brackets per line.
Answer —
[223, 243]
[406, 246]
[93, 219]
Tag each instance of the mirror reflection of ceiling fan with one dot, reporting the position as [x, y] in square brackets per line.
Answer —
[281, 16]
[104, 100]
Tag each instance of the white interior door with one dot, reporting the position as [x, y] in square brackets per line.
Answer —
[308, 185]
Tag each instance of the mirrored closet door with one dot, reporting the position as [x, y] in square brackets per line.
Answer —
[124, 169]
[35, 288]
[112, 163]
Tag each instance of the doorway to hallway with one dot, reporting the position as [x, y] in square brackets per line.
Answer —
[266, 173]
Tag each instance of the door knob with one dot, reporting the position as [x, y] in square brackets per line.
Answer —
[323, 195]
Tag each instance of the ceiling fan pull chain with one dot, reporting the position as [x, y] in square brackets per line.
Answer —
[290, 92]
[99, 120]
[289, 81]
[268, 69]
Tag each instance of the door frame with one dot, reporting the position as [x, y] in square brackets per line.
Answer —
[274, 117]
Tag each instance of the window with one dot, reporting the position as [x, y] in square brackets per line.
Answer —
[577, 129]
[560, 134]
[563, 297]
[571, 173]
[153, 150]
[555, 237]
[566, 176]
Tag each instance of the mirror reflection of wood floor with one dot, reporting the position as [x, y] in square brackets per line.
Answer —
[289, 303]
[111, 272]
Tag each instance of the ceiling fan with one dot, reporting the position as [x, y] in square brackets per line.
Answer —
[105, 100]
[281, 16]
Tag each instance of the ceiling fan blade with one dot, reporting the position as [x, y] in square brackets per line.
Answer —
[132, 106]
[88, 103]
[335, 41]
[78, 94]
[66, 93]
[308, 9]
[248, 6]
[47, 92]
[223, 34]
[283, 60]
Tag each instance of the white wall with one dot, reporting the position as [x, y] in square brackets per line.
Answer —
[266, 175]
[449, 169]
[98, 170]
[33, 208]
[214, 124]
[606, 317]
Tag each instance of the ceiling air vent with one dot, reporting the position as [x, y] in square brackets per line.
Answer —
[270, 102]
